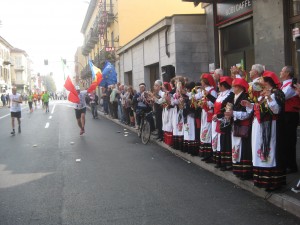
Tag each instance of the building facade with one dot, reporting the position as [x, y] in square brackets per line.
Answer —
[20, 73]
[176, 44]
[251, 31]
[5, 65]
[111, 24]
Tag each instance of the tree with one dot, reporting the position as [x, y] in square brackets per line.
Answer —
[49, 83]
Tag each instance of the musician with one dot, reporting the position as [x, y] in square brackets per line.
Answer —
[189, 144]
[209, 87]
[167, 114]
[241, 143]
[177, 116]
[221, 134]
[267, 128]
[255, 74]
[291, 117]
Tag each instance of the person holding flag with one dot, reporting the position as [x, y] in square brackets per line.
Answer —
[80, 109]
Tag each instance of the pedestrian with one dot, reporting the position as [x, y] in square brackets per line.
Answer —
[7, 100]
[93, 99]
[291, 117]
[3, 99]
[15, 109]
[104, 97]
[30, 101]
[80, 109]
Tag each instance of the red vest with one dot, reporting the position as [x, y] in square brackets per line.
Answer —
[293, 103]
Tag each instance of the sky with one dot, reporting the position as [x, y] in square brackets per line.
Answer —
[45, 29]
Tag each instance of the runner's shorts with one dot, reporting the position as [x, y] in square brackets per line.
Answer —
[15, 114]
[79, 111]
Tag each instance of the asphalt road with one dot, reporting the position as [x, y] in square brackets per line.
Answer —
[117, 181]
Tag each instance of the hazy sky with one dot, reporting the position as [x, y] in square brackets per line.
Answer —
[45, 29]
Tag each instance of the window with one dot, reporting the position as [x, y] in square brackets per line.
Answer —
[295, 8]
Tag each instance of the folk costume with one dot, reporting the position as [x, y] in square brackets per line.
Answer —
[241, 140]
[267, 143]
[177, 121]
[221, 142]
[189, 144]
[206, 118]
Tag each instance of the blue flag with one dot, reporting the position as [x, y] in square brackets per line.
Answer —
[109, 75]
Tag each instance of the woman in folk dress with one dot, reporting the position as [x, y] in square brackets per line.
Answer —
[241, 146]
[267, 143]
[209, 85]
[221, 142]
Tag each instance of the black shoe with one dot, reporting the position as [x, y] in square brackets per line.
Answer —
[13, 132]
[19, 129]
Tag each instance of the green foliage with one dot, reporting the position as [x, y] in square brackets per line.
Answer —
[49, 83]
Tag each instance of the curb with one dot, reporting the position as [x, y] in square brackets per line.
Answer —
[280, 200]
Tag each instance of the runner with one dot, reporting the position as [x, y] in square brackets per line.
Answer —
[80, 109]
[15, 109]
[30, 100]
[45, 100]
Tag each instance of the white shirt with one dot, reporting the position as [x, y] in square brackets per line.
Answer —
[15, 106]
[288, 91]
[82, 103]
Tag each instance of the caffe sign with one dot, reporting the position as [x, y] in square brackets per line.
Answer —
[228, 10]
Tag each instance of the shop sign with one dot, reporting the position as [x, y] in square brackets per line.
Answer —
[109, 49]
[228, 10]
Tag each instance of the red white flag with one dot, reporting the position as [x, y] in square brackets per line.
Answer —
[73, 95]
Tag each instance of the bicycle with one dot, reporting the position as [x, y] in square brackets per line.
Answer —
[146, 127]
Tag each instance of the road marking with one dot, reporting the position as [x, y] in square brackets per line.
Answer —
[52, 111]
[50, 117]
[47, 125]
[4, 116]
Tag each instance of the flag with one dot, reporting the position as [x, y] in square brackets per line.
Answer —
[73, 95]
[96, 75]
[109, 75]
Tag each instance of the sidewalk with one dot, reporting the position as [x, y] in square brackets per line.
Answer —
[285, 199]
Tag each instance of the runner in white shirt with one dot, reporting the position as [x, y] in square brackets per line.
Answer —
[15, 109]
[80, 109]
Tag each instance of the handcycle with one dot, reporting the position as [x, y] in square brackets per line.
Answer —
[146, 126]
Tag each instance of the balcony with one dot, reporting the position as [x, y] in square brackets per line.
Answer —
[19, 68]
[6, 62]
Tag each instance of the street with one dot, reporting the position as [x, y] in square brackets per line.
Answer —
[51, 175]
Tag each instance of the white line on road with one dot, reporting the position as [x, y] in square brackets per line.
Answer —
[52, 111]
[50, 117]
[4, 116]
[47, 125]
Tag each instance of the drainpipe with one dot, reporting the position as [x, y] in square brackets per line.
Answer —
[166, 42]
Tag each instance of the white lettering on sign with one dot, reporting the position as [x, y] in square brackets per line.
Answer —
[238, 7]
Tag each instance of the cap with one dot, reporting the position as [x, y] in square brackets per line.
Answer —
[210, 79]
[273, 76]
[226, 79]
